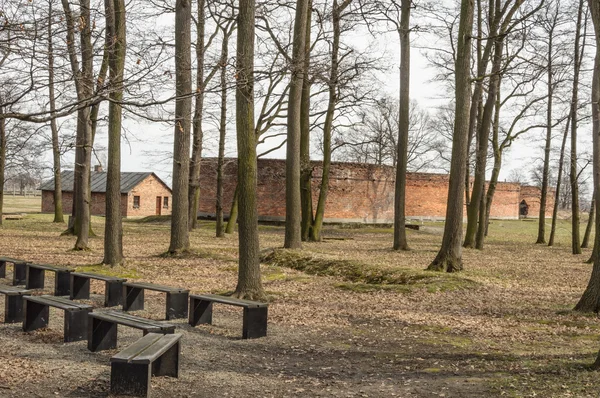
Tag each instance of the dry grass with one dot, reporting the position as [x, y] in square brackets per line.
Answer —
[348, 317]
[22, 204]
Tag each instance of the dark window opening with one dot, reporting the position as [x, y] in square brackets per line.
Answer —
[136, 202]
[523, 208]
[166, 202]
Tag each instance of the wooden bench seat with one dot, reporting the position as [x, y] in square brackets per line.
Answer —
[152, 355]
[36, 273]
[102, 332]
[80, 287]
[177, 299]
[255, 313]
[18, 269]
[37, 313]
[13, 303]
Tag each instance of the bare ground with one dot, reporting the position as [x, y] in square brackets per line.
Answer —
[501, 328]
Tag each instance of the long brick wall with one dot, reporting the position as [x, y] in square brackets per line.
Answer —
[357, 192]
[531, 195]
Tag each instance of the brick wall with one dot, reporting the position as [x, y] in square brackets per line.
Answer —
[148, 190]
[531, 195]
[357, 192]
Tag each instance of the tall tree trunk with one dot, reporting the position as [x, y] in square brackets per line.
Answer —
[180, 239]
[249, 284]
[449, 258]
[58, 210]
[400, 242]
[590, 300]
[305, 166]
[590, 223]
[315, 233]
[575, 240]
[2, 160]
[222, 131]
[116, 41]
[293, 208]
[195, 161]
[233, 213]
[497, 151]
[558, 182]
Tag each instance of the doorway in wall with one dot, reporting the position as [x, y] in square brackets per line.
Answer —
[158, 205]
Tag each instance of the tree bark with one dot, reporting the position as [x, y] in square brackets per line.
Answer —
[449, 258]
[233, 213]
[222, 131]
[58, 210]
[195, 161]
[558, 182]
[497, 151]
[2, 160]
[180, 239]
[305, 166]
[590, 223]
[400, 242]
[249, 284]
[590, 300]
[116, 43]
[293, 209]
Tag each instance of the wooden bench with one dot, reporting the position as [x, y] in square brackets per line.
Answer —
[102, 328]
[13, 303]
[37, 312]
[36, 274]
[177, 299]
[113, 291]
[152, 355]
[255, 313]
[19, 269]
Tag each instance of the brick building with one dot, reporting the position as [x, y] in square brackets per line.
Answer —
[142, 194]
[529, 204]
[357, 192]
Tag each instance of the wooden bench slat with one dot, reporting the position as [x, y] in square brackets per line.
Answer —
[58, 302]
[47, 267]
[13, 290]
[229, 300]
[157, 349]
[158, 288]
[98, 276]
[136, 348]
[131, 320]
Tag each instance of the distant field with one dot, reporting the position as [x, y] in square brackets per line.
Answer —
[22, 204]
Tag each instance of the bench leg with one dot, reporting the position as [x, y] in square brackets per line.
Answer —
[2, 269]
[133, 298]
[80, 288]
[255, 322]
[36, 316]
[13, 309]
[177, 305]
[200, 312]
[19, 273]
[113, 294]
[102, 335]
[130, 379]
[62, 283]
[168, 363]
[34, 278]
[76, 325]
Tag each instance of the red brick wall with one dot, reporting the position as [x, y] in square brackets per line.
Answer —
[148, 190]
[357, 192]
[532, 195]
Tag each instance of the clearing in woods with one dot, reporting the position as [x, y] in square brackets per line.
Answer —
[348, 317]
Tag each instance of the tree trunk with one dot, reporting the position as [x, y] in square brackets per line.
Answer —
[400, 242]
[249, 284]
[588, 228]
[590, 300]
[233, 213]
[575, 240]
[449, 258]
[195, 161]
[58, 210]
[293, 208]
[180, 239]
[497, 151]
[305, 166]
[2, 160]
[558, 182]
[222, 131]
[116, 41]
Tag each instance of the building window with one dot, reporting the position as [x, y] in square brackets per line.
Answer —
[136, 202]
[166, 202]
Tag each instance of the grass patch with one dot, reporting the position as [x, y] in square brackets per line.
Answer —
[365, 277]
[119, 272]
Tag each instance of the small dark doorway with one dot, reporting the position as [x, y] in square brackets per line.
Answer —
[158, 205]
[523, 208]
